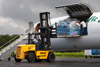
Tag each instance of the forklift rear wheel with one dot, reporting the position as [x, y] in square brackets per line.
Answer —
[38, 60]
[31, 57]
[17, 60]
[51, 57]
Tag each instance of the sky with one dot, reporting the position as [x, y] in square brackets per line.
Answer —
[16, 14]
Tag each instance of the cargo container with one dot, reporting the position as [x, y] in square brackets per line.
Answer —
[66, 28]
[92, 53]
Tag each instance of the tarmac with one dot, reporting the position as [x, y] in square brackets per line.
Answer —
[60, 62]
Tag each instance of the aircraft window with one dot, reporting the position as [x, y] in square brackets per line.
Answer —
[71, 28]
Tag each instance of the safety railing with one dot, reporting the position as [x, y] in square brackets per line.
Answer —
[7, 43]
[6, 48]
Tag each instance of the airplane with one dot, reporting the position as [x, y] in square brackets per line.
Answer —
[90, 41]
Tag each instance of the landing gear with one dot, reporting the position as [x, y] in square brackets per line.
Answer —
[51, 57]
[91, 57]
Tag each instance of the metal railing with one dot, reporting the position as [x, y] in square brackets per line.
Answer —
[7, 43]
[6, 48]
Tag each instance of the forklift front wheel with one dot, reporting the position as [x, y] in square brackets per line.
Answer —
[51, 57]
[31, 57]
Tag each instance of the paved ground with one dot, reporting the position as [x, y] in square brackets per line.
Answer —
[60, 62]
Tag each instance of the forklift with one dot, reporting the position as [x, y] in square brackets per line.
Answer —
[31, 51]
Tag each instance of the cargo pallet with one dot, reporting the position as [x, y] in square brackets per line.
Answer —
[68, 36]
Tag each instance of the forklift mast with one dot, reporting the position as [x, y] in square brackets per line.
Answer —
[46, 30]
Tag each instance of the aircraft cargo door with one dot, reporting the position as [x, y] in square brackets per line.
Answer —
[77, 23]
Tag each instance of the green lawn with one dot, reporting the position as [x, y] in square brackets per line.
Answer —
[66, 54]
[69, 54]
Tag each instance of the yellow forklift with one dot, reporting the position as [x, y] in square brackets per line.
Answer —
[31, 51]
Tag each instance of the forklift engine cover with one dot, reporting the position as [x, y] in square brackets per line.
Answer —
[22, 50]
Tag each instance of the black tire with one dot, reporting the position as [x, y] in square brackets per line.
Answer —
[86, 56]
[51, 57]
[91, 57]
[95, 56]
[17, 60]
[31, 57]
[38, 60]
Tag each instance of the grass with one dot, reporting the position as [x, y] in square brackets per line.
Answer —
[69, 54]
[66, 54]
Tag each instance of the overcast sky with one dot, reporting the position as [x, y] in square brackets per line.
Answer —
[15, 14]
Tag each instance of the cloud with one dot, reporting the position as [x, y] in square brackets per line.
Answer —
[0, 6]
[20, 12]
[28, 10]
[10, 26]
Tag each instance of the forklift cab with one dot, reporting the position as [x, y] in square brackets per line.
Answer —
[34, 38]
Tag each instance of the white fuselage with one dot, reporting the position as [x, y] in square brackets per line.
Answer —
[90, 41]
